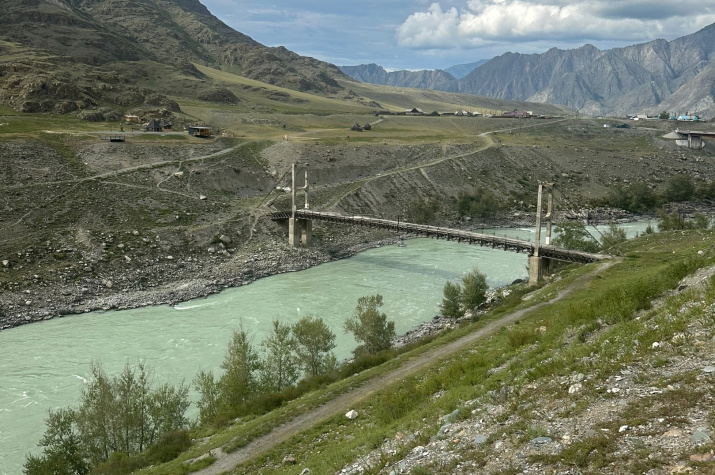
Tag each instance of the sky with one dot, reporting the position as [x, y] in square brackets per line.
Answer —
[428, 34]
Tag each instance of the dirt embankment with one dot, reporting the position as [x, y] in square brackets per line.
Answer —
[87, 225]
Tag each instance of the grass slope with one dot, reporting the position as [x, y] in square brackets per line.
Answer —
[631, 319]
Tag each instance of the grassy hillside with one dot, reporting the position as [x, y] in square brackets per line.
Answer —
[613, 375]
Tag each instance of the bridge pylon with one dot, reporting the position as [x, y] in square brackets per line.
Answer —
[300, 230]
[540, 266]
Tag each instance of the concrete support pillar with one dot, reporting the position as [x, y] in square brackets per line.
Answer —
[294, 232]
[300, 232]
[538, 268]
[306, 232]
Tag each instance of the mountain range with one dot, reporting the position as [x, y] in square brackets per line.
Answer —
[677, 76]
[437, 79]
[68, 55]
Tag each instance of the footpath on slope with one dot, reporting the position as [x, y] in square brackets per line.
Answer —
[227, 461]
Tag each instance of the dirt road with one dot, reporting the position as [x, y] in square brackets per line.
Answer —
[345, 402]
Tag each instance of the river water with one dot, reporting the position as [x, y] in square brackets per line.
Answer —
[44, 365]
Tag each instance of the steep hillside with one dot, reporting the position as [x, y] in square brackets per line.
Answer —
[64, 55]
[647, 77]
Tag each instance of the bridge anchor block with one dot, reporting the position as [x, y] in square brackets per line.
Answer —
[538, 268]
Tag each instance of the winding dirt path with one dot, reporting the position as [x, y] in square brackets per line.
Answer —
[344, 402]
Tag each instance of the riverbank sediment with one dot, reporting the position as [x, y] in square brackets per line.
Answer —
[167, 276]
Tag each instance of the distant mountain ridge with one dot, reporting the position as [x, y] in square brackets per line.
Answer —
[436, 79]
[677, 76]
[61, 55]
[461, 70]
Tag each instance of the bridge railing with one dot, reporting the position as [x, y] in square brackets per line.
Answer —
[508, 244]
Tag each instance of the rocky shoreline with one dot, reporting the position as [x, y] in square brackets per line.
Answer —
[173, 280]
[170, 279]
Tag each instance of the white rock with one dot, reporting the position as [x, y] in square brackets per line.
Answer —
[575, 388]
[202, 197]
[655, 345]
[622, 428]
[5, 263]
[351, 414]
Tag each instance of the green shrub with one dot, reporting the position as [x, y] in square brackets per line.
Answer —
[169, 446]
[572, 235]
[480, 204]
[120, 464]
[451, 303]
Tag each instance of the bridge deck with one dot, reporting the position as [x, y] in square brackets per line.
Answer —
[507, 244]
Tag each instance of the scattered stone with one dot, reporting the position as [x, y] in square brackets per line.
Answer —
[701, 436]
[305, 471]
[655, 345]
[480, 439]
[202, 197]
[622, 428]
[709, 457]
[574, 388]
[224, 239]
[443, 430]
[451, 417]
[351, 414]
[501, 394]
[289, 460]
[5, 263]
[709, 369]
[541, 440]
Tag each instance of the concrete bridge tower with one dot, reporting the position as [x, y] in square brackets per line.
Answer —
[539, 266]
[300, 231]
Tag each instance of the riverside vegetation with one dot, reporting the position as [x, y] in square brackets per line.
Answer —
[638, 316]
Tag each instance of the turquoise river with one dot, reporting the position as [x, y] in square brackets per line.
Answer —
[44, 365]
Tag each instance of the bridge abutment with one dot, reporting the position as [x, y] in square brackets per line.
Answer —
[538, 268]
[300, 232]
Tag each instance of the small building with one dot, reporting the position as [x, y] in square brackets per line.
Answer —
[414, 111]
[131, 119]
[367, 126]
[462, 113]
[688, 118]
[516, 114]
[154, 126]
[199, 131]
[356, 127]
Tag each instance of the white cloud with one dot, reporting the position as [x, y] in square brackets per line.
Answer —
[484, 22]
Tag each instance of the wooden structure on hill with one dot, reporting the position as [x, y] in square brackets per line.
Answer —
[154, 126]
[199, 131]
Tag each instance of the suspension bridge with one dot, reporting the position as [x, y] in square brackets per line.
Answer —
[541, 255]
